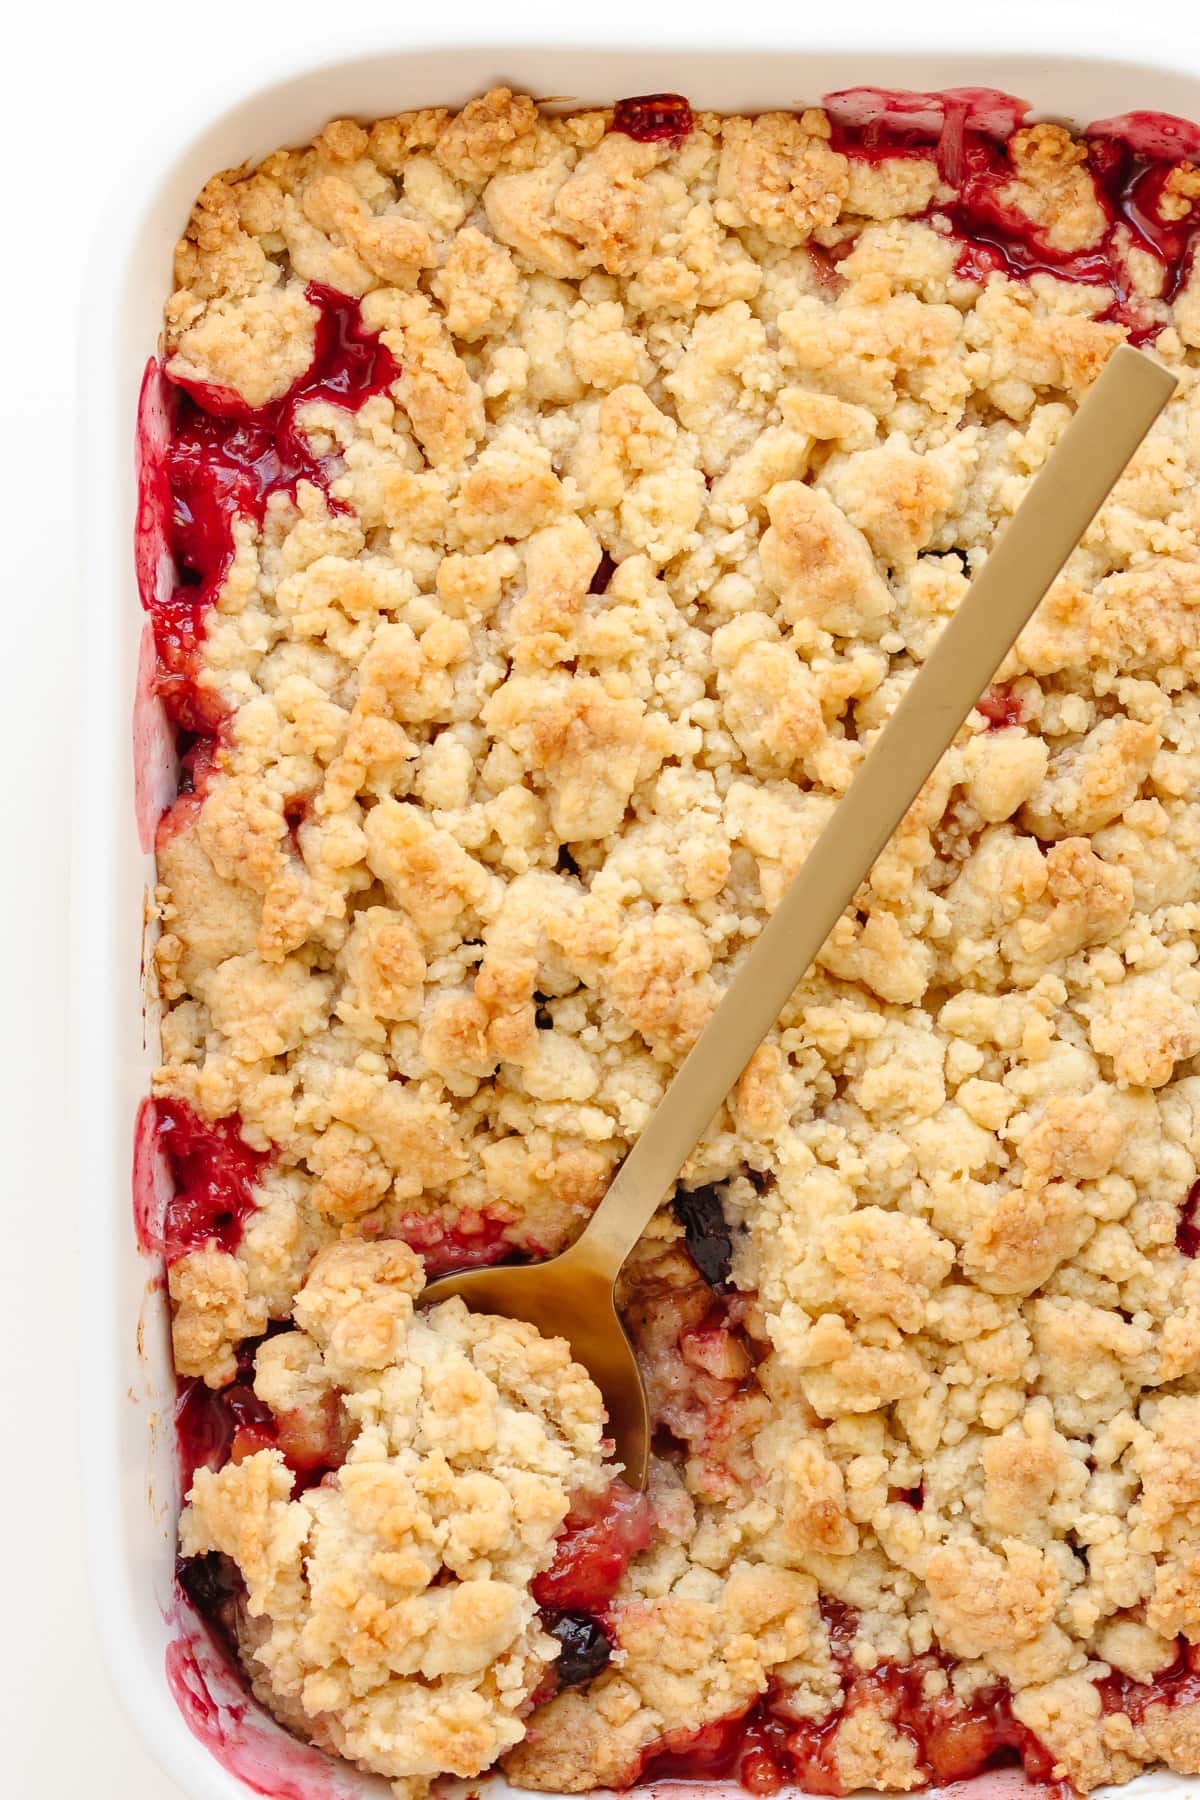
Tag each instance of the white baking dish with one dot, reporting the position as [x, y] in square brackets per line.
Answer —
[128, 1440]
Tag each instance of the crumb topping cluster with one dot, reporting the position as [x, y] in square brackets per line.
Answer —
[527, 696]
[387, 1611]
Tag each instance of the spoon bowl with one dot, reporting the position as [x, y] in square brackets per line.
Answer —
[571, 1296]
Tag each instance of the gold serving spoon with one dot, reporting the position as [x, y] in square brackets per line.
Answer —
[571, 1295]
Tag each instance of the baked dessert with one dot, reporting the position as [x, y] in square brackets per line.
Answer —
[552, 508]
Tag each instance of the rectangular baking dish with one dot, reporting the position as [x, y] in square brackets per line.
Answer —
[213, 1744]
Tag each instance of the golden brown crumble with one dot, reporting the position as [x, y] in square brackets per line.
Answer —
[388, 1615]
[640, 548]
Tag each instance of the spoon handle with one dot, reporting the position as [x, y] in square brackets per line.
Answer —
[1110, 424]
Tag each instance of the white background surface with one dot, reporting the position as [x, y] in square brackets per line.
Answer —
[87, 87]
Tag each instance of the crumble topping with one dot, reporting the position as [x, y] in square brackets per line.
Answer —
[387, 1611]
[535, 686]
[255, 348]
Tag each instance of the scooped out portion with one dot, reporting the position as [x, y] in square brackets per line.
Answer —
[387, 1613]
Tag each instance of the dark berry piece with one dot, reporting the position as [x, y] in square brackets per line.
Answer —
[606, 568]
[653, 118]
[213, 1586]
[1187, 1231]
[586, 1647]
[705, 1232]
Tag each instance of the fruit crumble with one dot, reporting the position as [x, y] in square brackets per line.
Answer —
[539, 514]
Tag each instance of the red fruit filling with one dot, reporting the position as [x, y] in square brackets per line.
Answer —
[764, 1749]
[474, 1241]
[654, 118]
[1000, 707]
[1130, 159]
[697, 1362]
[841, 1628]
[713, 1751]
[1187, 1232]
[1130, 188]
[954, 1739]
[314, 1440]
[223, 459]
[215, 1426]
[879, 122]
[1178, 1685]
[197, 765]
[600, 1537]
[214, 1177]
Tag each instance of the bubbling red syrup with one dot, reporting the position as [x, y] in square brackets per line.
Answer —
[474, 1241]
[214, 1176]
[220, 458]
[999, 706]
[653, 118]
[224, 459]
[1178, 1685]
[1130, 159]
[953, 1739]
[1130, 188]
[1155, 134]
[215, 1426]
[764, 1748]
[879, 121]
[600, 1537]
[227, 458]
